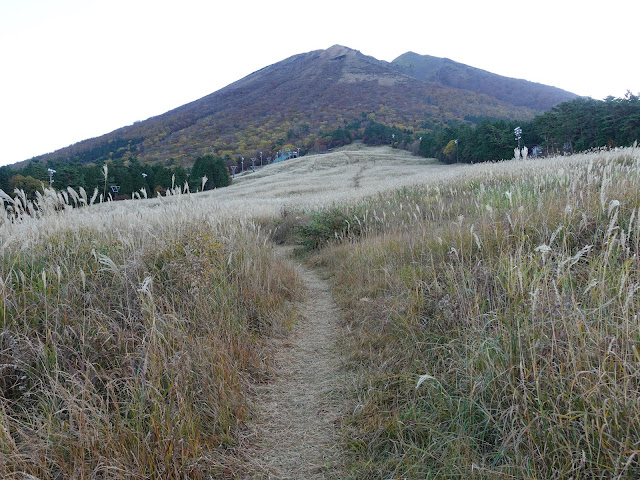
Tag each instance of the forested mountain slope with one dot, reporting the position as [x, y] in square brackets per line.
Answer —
[292, 103]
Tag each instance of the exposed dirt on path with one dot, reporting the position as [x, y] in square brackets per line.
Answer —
[297, 428]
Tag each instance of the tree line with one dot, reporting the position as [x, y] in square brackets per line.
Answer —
[126, 177]
[574, 126]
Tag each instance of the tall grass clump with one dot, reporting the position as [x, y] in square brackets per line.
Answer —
[328, 224]
[494, 324]
[130, 340]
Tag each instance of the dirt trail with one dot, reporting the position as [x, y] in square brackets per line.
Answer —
[297, 431]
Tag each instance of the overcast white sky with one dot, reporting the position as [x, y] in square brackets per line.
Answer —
[75, 69]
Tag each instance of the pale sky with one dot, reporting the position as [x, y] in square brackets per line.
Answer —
[75, 69]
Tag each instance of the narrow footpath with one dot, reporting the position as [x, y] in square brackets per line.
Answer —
[297, 428]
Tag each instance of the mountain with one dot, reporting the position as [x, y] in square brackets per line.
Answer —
[293, 102]
[445, 72]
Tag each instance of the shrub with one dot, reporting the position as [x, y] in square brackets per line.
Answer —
[326, 225]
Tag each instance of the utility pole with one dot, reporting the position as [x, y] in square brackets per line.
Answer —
[518, 133]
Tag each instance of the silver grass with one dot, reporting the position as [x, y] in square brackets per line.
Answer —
[74, 195]
[109, 264]
[83, 196]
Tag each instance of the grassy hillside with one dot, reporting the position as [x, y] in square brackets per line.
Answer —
[491, 318]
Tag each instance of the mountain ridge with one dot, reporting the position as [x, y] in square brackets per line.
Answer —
[455, 74]
[294, 101]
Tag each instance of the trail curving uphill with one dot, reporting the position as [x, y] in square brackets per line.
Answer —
[297, 431]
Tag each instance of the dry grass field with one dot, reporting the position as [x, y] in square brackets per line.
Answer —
[490, 319]
[493, 320]
[317, 181]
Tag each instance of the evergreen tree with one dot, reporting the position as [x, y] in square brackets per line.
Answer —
[213, 168]
[5, 175]
[179, 173]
